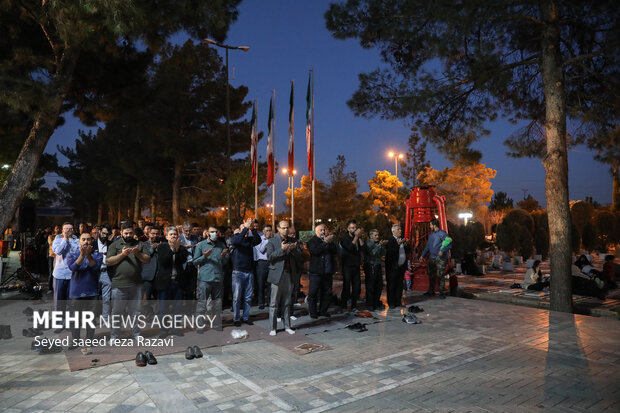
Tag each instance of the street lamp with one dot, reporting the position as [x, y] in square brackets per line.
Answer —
[465, 216]
[228, 151]
[291, 185]
[396, 158]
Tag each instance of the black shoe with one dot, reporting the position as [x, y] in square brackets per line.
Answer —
[197, 352]
[314, 316]
[163, 334]
[261, 307]
[140, 360]
[28, 311]
[248, 322]
[50, 350]
[237, 323]
[5, 332]
[150, 358]
[442, 296]
[429, 293]
[189, 353]
[327, 315]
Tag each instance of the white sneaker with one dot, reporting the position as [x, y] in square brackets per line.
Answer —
[272, 333]
[279, 319]
[293, 318]
[290, 331]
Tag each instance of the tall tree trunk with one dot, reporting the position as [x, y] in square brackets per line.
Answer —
[176, 189]
[556, 162]
[615, 206]
[22, 173]
[100, 212]
[110, 212]
[136, 205]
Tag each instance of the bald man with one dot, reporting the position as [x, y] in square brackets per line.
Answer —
[322, 265]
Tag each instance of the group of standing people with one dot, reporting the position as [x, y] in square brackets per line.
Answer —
[173, 265]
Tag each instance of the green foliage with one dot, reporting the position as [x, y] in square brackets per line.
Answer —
[415, 161]
[575, 239]
[382, 223]
[604, 222]
[581, 213]
[541, 233]
[341, 192]
[500, 202]
[515, 232]
[529, 204]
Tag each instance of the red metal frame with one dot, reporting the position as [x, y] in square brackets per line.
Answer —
[422, 207]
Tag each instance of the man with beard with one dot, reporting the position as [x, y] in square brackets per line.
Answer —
[105, 285]
[150, 269]
[322, 264]
[124, 260]
[395, 266]
[351, 243]
[84, 289]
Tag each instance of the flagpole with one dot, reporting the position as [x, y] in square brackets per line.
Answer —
[313, 155]
[273, 185]
[256, 166]
[292, 199]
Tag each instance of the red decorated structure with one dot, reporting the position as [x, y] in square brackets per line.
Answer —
[423, 206]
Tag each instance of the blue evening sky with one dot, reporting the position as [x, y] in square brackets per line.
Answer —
[287, 39]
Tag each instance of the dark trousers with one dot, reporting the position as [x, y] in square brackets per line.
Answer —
[374, 285]
[171, 295]
[83, 304]
[320, 288]
[394, 285]
[213, 309]
[61, 294]
[227, 297]
[50, 268]
[262, 270]
[189, 287]
[436, 273]
[351, 285]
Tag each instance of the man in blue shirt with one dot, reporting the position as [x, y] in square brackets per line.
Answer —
[436, 269]
[84, 289]
[64, 244]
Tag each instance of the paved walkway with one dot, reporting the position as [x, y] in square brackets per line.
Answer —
[467, 355]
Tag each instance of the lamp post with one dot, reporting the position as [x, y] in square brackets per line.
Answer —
[228, 151]
[465, 216]
[291, 185]
[396, 158]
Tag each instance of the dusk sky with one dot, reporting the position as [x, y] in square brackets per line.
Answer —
[286, 40]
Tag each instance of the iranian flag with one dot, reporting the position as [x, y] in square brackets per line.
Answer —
[270, 138]
[309, 140]
[291, 133]
[254, 143]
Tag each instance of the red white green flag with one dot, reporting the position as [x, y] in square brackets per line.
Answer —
[309, 138]
[291, 133]
[254, 143]
[270, 154]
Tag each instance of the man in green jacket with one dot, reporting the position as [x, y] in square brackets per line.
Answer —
[210, 256]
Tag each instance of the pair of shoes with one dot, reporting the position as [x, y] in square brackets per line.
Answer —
[248, 322]
[272, 333]
[237, 323]
[5, 332]
[326, 315]
[261, 307]
[289, 330]
[411, 319]
[359, 327]
[429, 293]
[193, 352]
[31, 332]
[415, 309]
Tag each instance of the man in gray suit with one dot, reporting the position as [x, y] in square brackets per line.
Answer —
[282, 269]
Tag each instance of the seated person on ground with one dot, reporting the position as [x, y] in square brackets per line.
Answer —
[533, 278]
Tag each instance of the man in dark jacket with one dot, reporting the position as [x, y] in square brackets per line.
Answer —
[169, 281]
[395, 266]
[243, 270]
[322, 263]
[351, 244]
